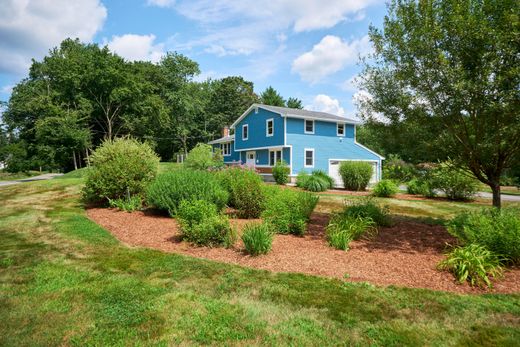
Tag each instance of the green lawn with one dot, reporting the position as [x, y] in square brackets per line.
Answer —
[66, 281]
[8, 176]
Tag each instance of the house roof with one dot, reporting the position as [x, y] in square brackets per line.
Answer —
[224, 139]
[298, 113]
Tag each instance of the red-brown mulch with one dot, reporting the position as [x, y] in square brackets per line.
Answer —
[403, 255]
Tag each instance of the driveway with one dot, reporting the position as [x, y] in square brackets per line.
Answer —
[504, 197]
[30, 179]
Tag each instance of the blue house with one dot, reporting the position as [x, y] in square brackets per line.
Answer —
[305, 140]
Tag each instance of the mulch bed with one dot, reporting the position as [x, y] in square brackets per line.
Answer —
[403, 255]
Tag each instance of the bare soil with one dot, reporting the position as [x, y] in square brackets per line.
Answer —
[403, 255]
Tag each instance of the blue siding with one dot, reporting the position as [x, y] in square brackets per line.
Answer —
[235, 156]
[325, 146]
[257, 130]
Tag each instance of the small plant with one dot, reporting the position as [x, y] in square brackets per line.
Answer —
[316, 184]
[368, 208]
[281, 172]
[195, 211]
[385, 189]
[257, 239]
[342, 229]
[472, 263]
[322, 174]
[131, 204]
[355, 174]
[201, 157]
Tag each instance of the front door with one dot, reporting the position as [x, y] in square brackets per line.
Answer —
[250, 158]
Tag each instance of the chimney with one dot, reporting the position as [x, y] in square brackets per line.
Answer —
[225, 131]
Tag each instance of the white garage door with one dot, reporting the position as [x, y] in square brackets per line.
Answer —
[334, 172]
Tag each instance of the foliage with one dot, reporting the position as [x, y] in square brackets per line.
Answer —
[257, 238]
[368, 208]
[244, 186]
[317, 181]
[496, 230]
[201, 157]
[301, 179]
[455, 183]
[170, 188]
[355, 174]
[395, 168]
[119, 168]
[203, 226]
[322, 174]
[294, 103]
[128, 204]
[271, 97]
[417, 187]
[343, 228]
[385, 189]
[287, 211]
[472, 263]
[281, 172]
[444, 64]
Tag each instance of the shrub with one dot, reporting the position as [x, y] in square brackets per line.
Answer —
[344, 228]
[202, 225]
[128, 204]
[367, 208]
[281, 172]
[498, 230]
[119, 168]
[201, 157]
[325, 176]
[455, 183]
[244, 186]
[257, 239]
[355, 174]
[472, 263]
[287, 211]
[316, 184]
[416, 187]
[385, 189]
[397, 169]
[170, 188]
[301, 179]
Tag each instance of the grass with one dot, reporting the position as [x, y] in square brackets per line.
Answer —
[8, 176]
[66, 281]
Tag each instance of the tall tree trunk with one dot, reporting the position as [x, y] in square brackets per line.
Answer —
[74, 158]
[88, 158]
[495, 188]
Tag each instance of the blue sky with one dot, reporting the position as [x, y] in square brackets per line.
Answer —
[304, 48]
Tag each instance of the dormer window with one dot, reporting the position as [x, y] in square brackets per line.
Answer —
[269, 127]
[309, 126]
[245, 132]
[341, 129]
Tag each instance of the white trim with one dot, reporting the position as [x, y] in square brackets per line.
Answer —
[368, 149]
[254, 159]
[274, 150]
[346, 121]
[256, 148]
[267, 127]
[222, 149]
[245, 126]
[337, 129]
[305, 150]
[243, 115]
[305, 126]
[290, 159]
[285, 131]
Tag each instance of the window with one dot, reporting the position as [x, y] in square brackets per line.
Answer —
[245, 132]
[309, 126]
[341, 129]
[226, 148]
[269, 127]
[274, 157]
[309, 157]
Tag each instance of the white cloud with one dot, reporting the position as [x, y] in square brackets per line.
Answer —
[351, 85]
[325, 103]
[136, 47]
[161, 3]
[330, 55]
[29, 28]
[6, 89]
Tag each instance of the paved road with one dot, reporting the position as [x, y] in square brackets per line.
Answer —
[505, 197]
[30, 179]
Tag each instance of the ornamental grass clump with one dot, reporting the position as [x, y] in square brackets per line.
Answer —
[257, 239]
[317, 181]
[355, 174]
[343, 228]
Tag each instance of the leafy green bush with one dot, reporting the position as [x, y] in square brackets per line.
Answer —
[472, 263]
[244, 186]
[455, 183]
[301, 179]
[322, 174]
[416, 187]
[344, 228]
[395, 168]
[170, 188]
[496, 229]
[128, 204]
[119, 168]
[202, 225]
[385, 189]
[318, 181]
[281, 172]
[368, 208]
[287, 211]
[201, 157]
[355, 174]
[257, 238]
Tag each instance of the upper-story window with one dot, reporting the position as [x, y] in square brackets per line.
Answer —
[341, 129]
[245, 132]
[269, 127]
[309, 126]
[226, 148]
